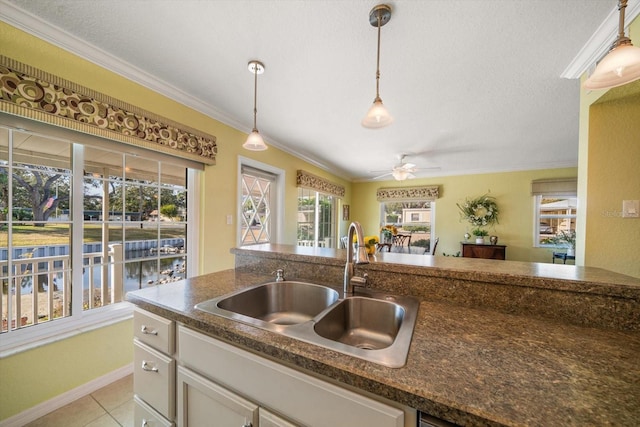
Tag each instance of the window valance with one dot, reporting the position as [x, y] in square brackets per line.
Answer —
[555, 187]
[307, 180]
[408, 193]
[32, 93]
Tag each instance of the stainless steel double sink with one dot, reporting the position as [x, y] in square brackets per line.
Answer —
[373, 326]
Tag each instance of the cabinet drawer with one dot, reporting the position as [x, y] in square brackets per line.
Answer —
[154, 378]
[153, 330]
[145, 416]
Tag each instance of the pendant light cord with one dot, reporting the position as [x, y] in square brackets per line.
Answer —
[621, 40]
[379, 17]
[255, 96]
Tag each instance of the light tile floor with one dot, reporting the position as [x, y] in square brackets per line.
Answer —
[111, 406]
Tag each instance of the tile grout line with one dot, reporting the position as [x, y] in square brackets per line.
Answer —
[105, 410]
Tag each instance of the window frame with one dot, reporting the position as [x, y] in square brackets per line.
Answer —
[81, 321]
[277, 203]
[538, 217]
[317, 195]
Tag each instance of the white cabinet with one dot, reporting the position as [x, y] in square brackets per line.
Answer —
[205, 381]
[200, 401]
[302, 399]
[154, 370]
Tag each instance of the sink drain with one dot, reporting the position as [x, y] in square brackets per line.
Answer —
[366, 347]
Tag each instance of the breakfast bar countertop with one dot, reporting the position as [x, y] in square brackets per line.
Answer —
[466, 365]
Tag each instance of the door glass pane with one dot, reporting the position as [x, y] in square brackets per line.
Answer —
[256, 208]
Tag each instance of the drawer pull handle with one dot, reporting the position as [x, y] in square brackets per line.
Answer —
[146, 331]
[146, 367]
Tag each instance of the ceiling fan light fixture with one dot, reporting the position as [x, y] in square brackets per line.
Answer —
[378, 116]
[621, 65]
[254, 141]
[400, 174]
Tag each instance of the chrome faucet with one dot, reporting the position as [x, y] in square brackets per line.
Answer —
[363, 258]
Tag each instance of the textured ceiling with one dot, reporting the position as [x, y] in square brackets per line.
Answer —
[474, 86]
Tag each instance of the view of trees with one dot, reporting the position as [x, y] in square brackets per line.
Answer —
[38, 192]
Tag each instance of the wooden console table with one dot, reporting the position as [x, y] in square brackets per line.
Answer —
[487, 250]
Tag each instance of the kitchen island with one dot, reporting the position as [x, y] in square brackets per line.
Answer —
[471, 361]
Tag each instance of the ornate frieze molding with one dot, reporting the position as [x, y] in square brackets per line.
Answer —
[408, 193]
[32, 93]
[305, 179]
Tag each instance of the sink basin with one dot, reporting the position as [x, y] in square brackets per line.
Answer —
[277, 303]
[372, 326]
[366, 323]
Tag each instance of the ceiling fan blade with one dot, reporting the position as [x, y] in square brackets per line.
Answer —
[382, 176]
[407, 166]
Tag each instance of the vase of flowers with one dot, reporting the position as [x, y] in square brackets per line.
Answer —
[568, 239]
[370, 243]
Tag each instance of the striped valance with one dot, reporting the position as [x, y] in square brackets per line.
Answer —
[307, 180]
[32, 93]
[408, 193]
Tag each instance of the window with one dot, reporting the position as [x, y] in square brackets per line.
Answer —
[81, 225]
[316, 218]
[256, 206]
[414, 218]
[554, 215]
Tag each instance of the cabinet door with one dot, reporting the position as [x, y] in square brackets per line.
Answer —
[268, 419]
[204, 403]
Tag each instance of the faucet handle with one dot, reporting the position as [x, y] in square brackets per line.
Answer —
[360, 281]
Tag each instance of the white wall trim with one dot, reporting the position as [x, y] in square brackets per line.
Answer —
[63, 399]
[600, 42]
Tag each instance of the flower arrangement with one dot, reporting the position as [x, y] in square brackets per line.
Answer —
[388, 231]
[565, 237]
[480, 212]
[370, 243]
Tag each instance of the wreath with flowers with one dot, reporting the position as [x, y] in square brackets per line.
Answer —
[479, 212]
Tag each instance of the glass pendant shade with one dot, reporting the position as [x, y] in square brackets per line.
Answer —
[377, 116]
[620, 66]
[254, 142]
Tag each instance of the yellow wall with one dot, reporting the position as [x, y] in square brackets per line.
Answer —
[613, 176]
[608, 174]
[35, 376]
[511, 189]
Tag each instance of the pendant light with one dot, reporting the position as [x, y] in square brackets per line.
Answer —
[378, 116]
[621, 65]
[254, 141]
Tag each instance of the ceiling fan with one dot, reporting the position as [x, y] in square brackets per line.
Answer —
[402, 170]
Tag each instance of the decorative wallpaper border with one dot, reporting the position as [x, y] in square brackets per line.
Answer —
[408, 193]
[305, 179]
[35, 94]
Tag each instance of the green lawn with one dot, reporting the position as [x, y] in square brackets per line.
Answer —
[57, 234]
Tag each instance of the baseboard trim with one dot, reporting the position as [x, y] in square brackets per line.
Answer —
[63, 399]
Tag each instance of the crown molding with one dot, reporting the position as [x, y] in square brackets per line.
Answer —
[600, 42]
[43, 30]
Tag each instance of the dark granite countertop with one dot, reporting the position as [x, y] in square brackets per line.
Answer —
[469, 366]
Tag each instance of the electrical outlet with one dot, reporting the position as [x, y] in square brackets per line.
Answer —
[631, 209]
[229, 219]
